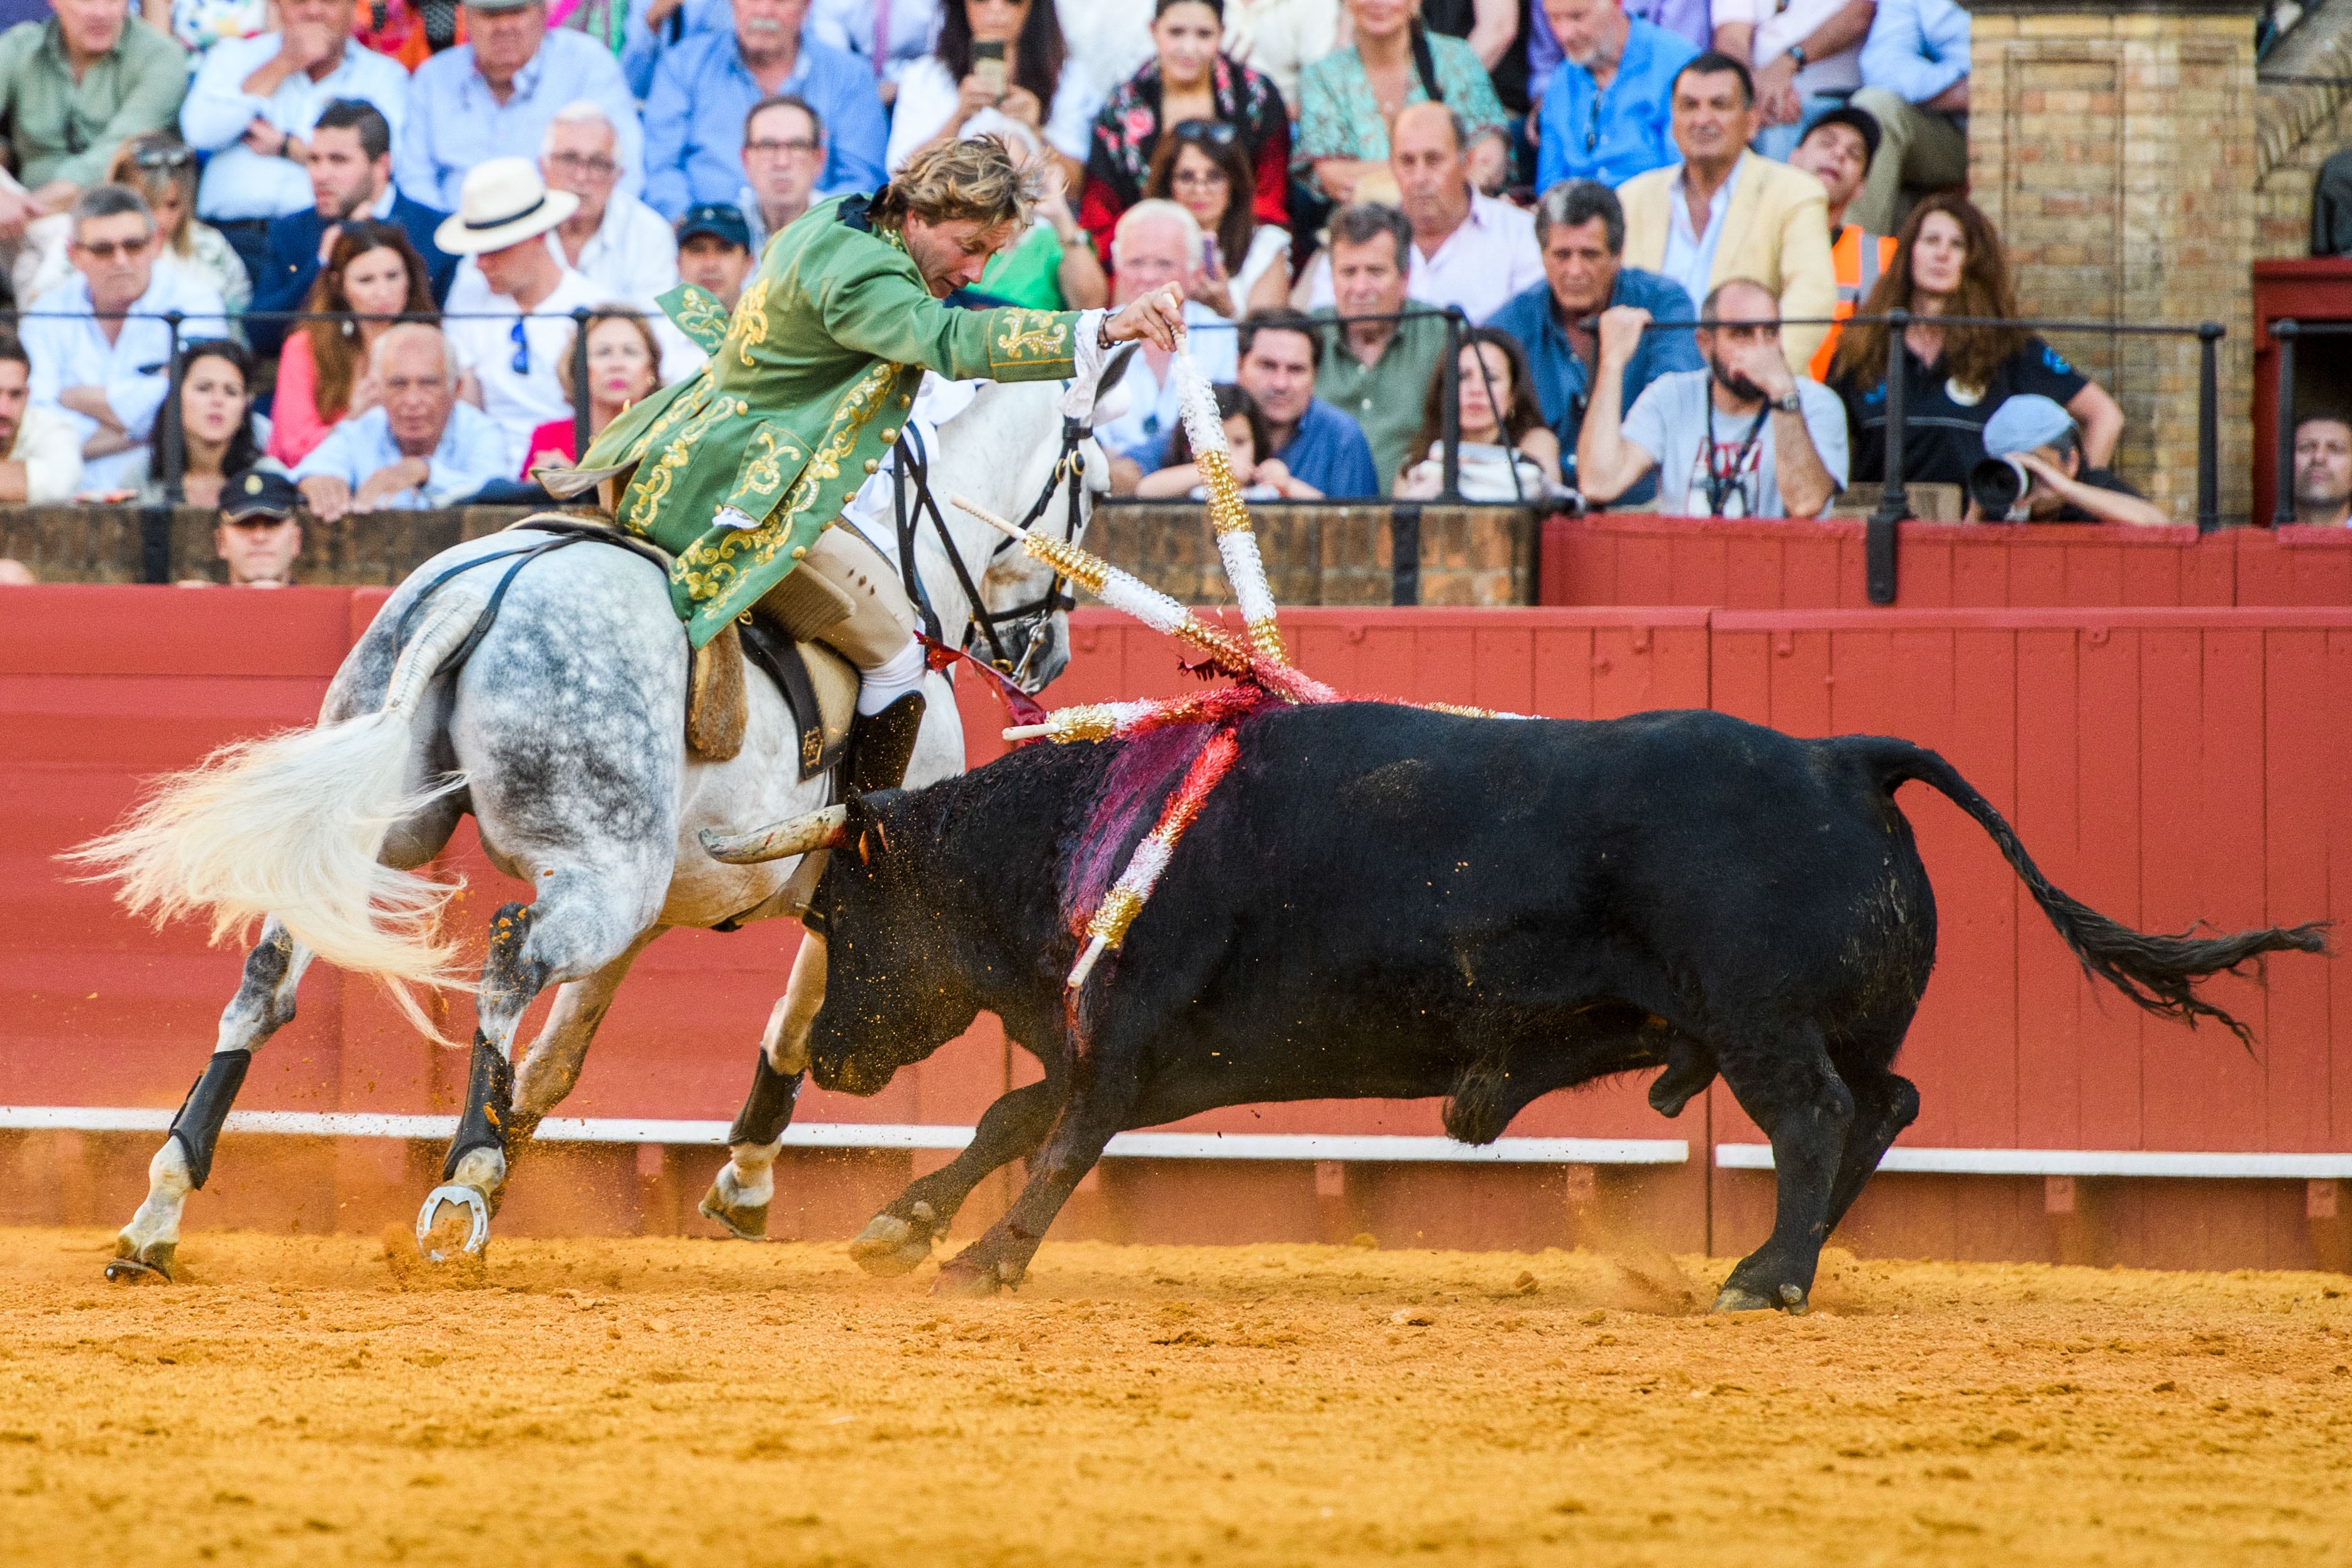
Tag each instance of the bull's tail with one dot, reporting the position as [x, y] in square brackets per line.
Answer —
[294, 825]
[2159, 972]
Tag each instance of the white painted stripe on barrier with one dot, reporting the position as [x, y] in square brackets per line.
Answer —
[1366, 1147]
[2074, 1163]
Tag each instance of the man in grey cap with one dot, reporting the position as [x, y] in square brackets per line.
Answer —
[2040, 438]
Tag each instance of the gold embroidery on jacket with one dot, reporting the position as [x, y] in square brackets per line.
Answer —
[751, 323]
[1032, 335]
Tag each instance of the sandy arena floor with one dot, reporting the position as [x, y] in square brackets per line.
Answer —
[677, 1402]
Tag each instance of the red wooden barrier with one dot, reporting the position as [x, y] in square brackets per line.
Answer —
[2163, 764]
[1764, 565]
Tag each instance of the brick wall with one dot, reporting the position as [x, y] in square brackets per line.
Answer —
[2298, 126]
[2111, 149]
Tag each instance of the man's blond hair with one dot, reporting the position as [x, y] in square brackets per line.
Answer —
[978, 179]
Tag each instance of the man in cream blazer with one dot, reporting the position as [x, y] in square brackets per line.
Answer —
[1722, 212]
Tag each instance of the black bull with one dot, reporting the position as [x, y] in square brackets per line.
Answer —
[1386, 902]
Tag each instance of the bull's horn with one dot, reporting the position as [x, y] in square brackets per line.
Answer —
[794, 835]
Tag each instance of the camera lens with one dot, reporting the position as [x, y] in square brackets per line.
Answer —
[1995, 485]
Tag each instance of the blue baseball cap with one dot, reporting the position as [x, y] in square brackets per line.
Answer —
[717, 220]
[2022, 423]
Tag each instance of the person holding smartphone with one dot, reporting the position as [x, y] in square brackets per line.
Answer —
[996, 61]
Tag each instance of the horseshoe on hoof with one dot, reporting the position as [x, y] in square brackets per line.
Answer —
[130, 1270]
[477, 1237]
[1733, 1298]
[747, 1223]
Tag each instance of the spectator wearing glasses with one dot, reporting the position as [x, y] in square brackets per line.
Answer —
[420, 447]
[620, 246]
[1605, 112]
[1582, 231]
[252, 109]
[1948, 262]
[1156, 244]
[1350, 98]
[1806, 56]
[889, 37]
[1505, 453]
[98, 342]
[784, 152]
[258, 538]
[714, 252]
[1189, 85]
[219, 433]
[704, 89]
[72, 89]
[506, 362]
[498, 90]
[2323, 470]
[1202, 167]
[1743, 437]
[323, 377]
[960, 91]
[40, 456]
[624, 368]
[1725, 213]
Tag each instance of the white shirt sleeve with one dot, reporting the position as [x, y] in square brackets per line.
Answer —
[51, 452]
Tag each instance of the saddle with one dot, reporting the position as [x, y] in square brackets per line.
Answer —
[819, 687]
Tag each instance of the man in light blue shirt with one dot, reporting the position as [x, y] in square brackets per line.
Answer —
[493, 96]
[705, 86]
[253, 104]
[99, 344]
[1915, 78]
[1580, 229]
[419, 448]
[1606, 107]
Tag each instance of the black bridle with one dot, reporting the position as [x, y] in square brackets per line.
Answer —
[915, 462]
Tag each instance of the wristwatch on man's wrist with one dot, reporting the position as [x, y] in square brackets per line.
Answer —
[1797, 53]
[1792, 403]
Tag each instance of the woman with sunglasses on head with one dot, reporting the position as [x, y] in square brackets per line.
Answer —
[219, 433]
[1507, 452]
[1188, 79]
[1201, 166]
[997, 62]
[323, 377]
[162, 168]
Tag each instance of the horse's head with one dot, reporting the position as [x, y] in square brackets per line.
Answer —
[1024, 624]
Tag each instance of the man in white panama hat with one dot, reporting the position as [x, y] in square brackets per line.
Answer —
[507, 356]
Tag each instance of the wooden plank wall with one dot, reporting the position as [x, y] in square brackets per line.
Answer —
[2164, 764]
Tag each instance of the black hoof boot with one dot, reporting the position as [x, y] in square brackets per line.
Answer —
[882, 744]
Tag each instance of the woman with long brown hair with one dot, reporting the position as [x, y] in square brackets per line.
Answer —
[623, 370]
[1508, 452]
[1948, 262]
[322, 377]
[1202, 167]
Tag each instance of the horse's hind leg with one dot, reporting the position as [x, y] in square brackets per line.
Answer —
[264, 1004]
[552, 1066]
[581, 923]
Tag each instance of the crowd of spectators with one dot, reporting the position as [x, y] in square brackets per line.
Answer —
[1649, 219]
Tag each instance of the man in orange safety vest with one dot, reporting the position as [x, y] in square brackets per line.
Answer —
[1837, 151]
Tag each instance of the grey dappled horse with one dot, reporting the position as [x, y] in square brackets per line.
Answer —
[562, 732]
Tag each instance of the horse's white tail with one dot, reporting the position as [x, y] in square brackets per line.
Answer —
[292, 825]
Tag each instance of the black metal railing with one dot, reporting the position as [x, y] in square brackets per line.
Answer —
[2286, 333]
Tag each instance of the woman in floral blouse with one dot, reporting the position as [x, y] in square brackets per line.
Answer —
[1348, 99]
[1188, 78]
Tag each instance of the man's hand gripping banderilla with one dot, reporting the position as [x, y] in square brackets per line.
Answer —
[1157, 317]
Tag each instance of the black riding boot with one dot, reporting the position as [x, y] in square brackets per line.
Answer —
[881, 745]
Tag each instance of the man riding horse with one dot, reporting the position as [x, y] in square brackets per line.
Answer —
[742, 472]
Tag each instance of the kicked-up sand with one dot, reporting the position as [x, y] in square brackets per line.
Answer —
[677, 1402]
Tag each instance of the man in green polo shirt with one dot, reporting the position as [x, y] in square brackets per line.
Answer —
[1377, 372]
[72, 90]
